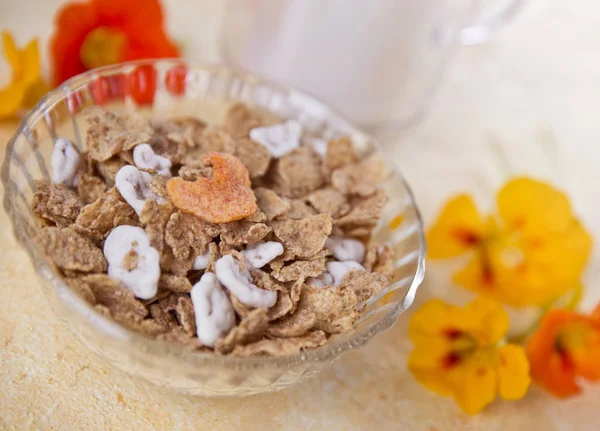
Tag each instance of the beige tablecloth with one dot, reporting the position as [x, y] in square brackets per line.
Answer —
[533, 92]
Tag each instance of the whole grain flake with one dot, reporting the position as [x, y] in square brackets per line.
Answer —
[233, 239]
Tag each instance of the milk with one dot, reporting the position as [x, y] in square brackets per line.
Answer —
[376, 60]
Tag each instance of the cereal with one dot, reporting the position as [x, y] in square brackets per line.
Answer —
[82, 289]
[279, 139]
[250, 329]
[300, 268]
[239, 120]
[305, 237]
[257, 217]
[201, 261]
[254, 156]
[65, 162]
[346, 248]
[294, 325]
[241, 309]
[56, 203]
[263, 280]
[107, 292]
[340, 153]
[238, 281]
[328, 201]
[145, 158]
[173, 265]
[299, 210]
[258, 255]
[364, 284]
[191, 173]
[370, 258]
[108, 169]
[154, 217]
[384, 264]
[298, 173]
[171, 140]
[282, 346]
[90, 187]
[277, 263]
[98, 218]
[242, 232]
[130, 260]
[324, 279]
[296, 293]
[334, 307]
[270, 203]
[338, 270]
[134, 186]
[283, 306]
[359, 178]
[142, 280]
[365, 211]
[186, 315]
[225, 197]
[71, 251]
[319, 146]
[148, 327]
[214, 140]
[214, 255]
[110, 133]
[242, 239]
[127, 158]
[188, 235]
[174, 283]
[213, 310]
[159, 186]
[162, 317]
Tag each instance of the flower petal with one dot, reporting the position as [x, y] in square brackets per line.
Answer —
[11, 52]
[477, 276]
[11, 99]
[488, 321]
[513, 372]
[72, 23]
[548, 368]
[434, 318]
[31, 63]
[433, 377]
[528, 205]
[478, 387]
[34, 93]
[458, 228]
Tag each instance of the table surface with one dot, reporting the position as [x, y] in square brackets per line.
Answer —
[533, 91]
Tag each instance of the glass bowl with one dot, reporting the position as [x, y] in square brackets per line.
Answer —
[205, 91]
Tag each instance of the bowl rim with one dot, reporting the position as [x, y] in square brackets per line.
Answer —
[327, 352]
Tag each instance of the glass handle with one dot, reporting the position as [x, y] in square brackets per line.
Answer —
[481, 31]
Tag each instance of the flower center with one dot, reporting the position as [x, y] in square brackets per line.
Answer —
[102, 46]
[463, 345]
[466, 237]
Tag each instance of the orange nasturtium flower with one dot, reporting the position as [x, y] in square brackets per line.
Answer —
[104, 32]
[565, 347]
[26, 86]
[460, 352]
[531, 252]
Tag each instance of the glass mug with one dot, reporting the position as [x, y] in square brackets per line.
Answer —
[377, 61]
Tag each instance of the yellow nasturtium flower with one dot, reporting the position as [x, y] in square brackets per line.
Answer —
[26, 85]
[459, 352]
[529, 254]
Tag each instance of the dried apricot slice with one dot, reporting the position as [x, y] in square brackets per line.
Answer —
[225, 197]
